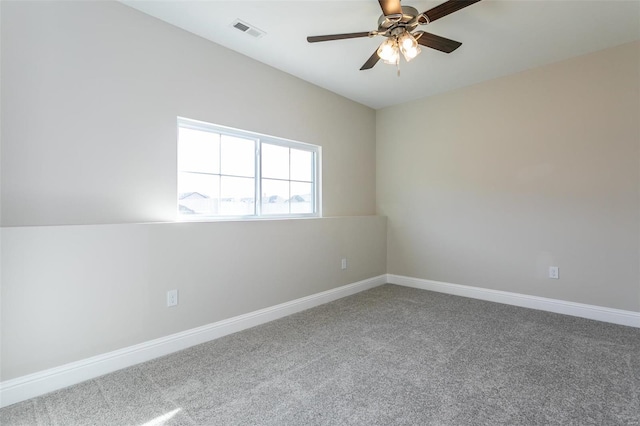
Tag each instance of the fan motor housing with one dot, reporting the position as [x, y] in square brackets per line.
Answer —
[407, 20]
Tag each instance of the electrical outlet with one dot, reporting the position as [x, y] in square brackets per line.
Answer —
[343, 265]
[172, 297]
[554, 272]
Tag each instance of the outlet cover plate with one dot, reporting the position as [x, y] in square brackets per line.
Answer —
[172, 297]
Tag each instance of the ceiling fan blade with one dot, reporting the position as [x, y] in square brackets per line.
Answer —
[315, 39]
[371, 61]
[390, 7]
[445, 9]
[439, 43]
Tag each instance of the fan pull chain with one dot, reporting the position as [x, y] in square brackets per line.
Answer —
[398, 65]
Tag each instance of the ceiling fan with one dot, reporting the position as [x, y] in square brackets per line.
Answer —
[398, 24]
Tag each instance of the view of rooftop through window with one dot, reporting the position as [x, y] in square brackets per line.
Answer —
[231, 173]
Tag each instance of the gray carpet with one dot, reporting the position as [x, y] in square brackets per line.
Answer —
[391, 355]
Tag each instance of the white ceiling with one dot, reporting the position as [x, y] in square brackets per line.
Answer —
[499, 37]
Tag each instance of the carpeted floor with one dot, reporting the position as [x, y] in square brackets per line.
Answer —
[391, 355]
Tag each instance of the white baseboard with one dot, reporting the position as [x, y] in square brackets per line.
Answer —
[599, 313]
[36, 384]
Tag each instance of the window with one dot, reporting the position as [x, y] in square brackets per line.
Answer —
[225, 172]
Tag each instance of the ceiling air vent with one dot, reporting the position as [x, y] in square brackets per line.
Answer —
[247, 28]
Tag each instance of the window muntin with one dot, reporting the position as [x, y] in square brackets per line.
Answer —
[229, 173]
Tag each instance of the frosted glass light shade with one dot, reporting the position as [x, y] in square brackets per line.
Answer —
[388, 51]
[408, 46]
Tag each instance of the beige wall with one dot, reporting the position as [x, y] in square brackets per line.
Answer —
[490, 185]
[72, 292]
[91, 92]
[90, 96]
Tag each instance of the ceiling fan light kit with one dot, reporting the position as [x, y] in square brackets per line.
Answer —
[405, 43]
[398, 23]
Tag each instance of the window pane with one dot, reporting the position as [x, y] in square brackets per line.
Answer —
[301, 200]
[198, 151]
[198, 194]
[275, 161]
[219, 168]
[237, 196]
[275, 196]
[238, 156]
[301, 165]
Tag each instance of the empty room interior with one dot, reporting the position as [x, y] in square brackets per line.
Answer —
[444, 238]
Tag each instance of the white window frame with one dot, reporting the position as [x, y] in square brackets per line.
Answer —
[259, 139]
